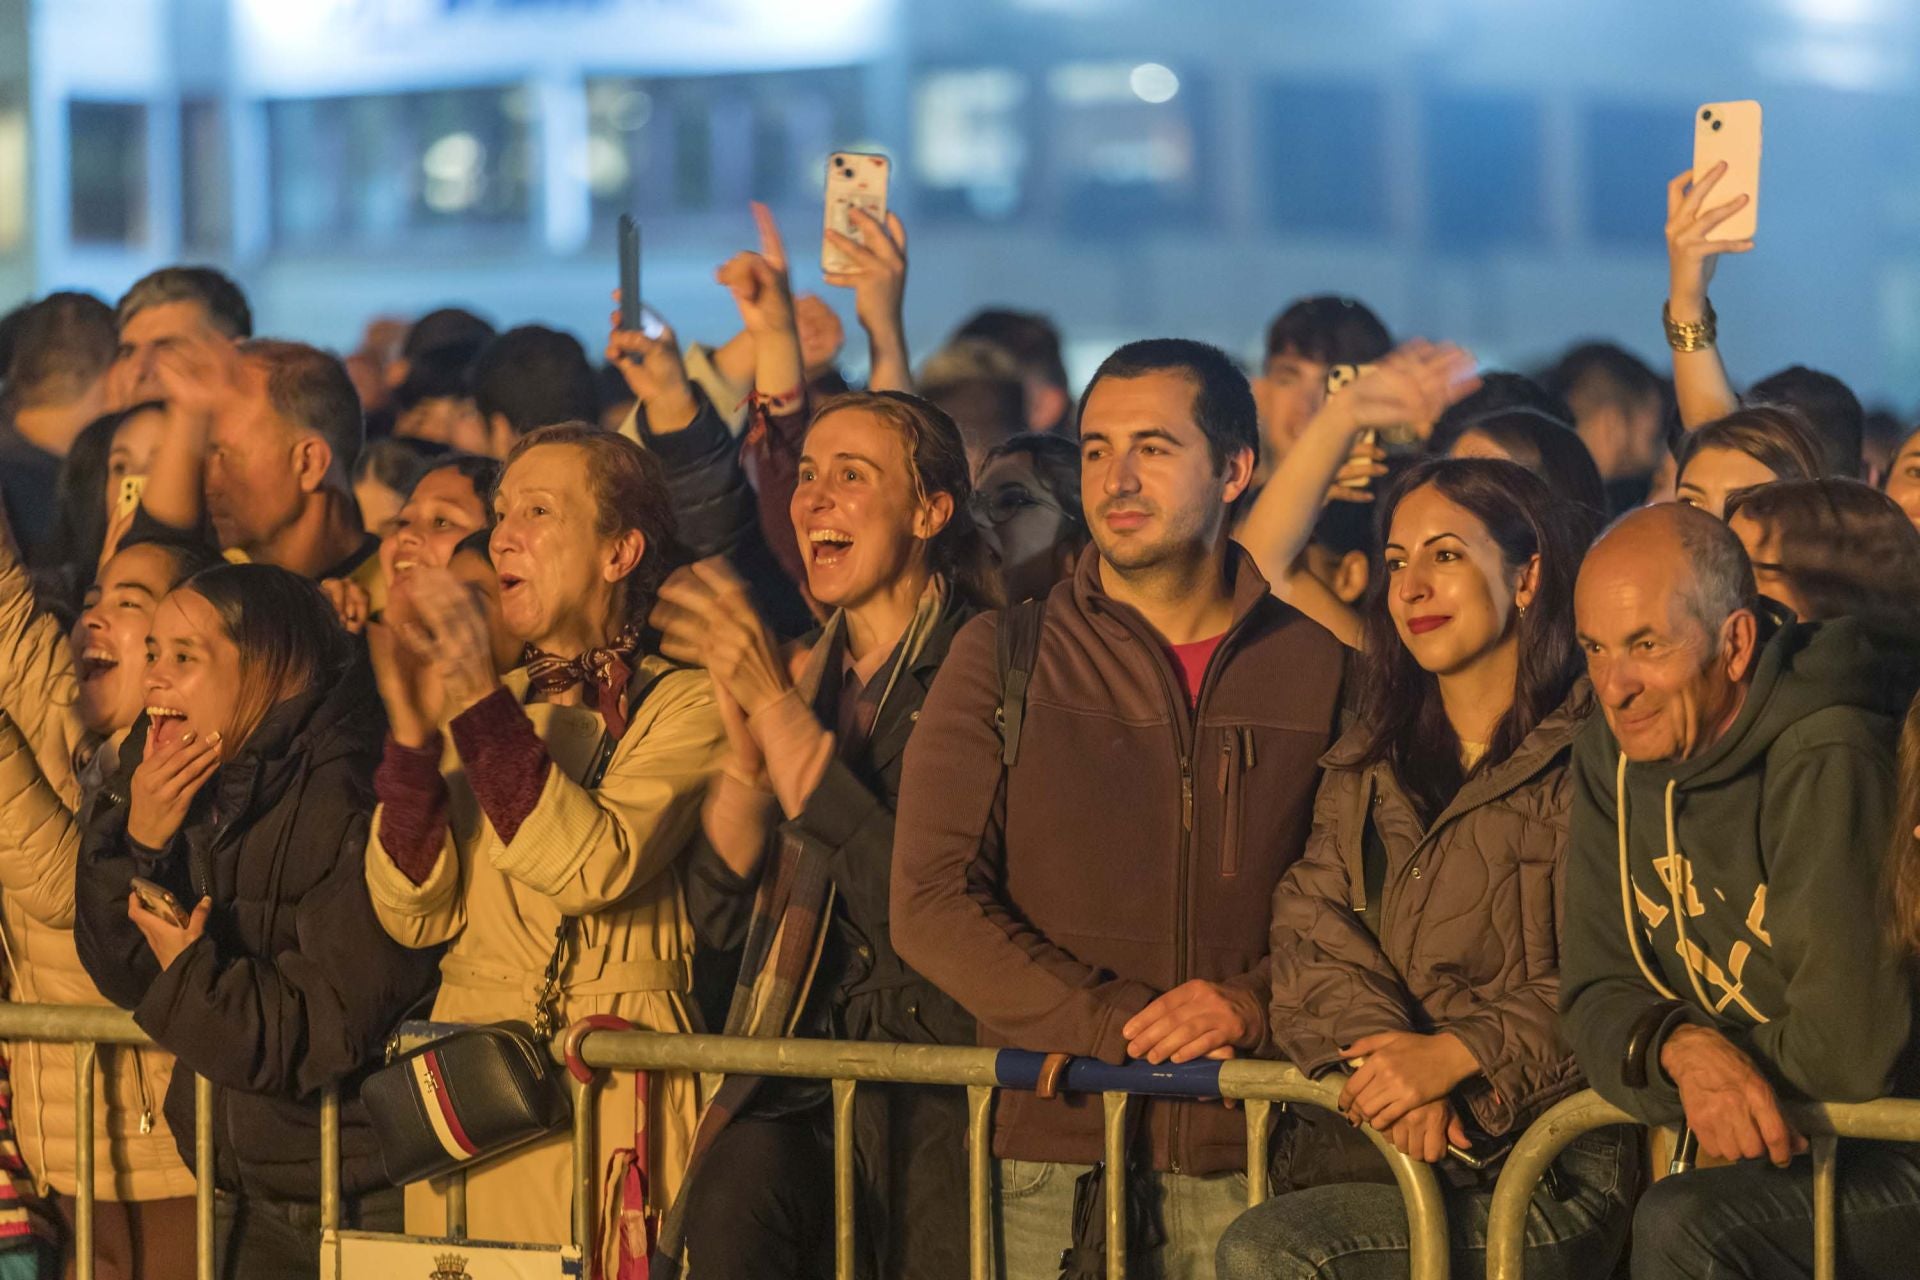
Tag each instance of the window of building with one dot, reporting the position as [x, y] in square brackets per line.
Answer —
[1126, 146]
[206, 222]
[970, 147]
[1484, 170]
[1322, 157]
[388, 168]
[107, 172]
[695, 144]
[1630, 151]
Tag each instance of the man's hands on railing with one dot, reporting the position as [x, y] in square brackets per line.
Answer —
[1197, 1019]
[1730, 1106]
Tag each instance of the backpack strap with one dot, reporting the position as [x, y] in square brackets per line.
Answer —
[1016, 648]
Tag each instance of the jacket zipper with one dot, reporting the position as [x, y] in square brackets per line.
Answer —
[1230, 767]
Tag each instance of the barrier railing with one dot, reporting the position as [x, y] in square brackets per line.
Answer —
[1256, 1085]
[1886, 1119]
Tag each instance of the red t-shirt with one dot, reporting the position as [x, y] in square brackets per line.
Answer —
[1190, 663]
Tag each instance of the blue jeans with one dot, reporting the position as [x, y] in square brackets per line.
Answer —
[1033, 1218]
[1755, 1222]
[1358, 1230]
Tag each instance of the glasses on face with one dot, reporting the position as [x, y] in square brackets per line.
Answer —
[1006, 502]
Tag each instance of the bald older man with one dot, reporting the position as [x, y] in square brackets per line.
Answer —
[1724, 947]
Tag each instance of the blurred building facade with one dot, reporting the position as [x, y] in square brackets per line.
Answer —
[1486, 170]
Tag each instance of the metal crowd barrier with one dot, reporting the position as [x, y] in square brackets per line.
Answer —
[1886, 1120]
[1257, 1085]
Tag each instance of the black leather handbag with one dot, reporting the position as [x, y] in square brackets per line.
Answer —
[462, 1098]
[473, 1093]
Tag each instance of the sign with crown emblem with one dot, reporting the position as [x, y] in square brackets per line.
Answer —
[356, 1255]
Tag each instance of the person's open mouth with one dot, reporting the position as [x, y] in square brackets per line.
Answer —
[95, 663]
[828, 547]
[167, 725]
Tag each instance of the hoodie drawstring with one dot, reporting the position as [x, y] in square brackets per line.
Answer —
[1626, 884]
[1675, 888]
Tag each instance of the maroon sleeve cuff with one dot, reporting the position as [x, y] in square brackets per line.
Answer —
[413, 819]
[506, 762]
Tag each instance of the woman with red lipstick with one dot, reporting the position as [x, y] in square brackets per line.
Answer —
[808, 791]
[543, 811]
[246, 797]
[1414, 945]
[67, 701]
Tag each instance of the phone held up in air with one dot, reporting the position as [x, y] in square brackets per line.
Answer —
[1730, 132]
[1397, 439]
[156, 900]
[634, 313]
[629, 233]
[855, 180]
[131, 488]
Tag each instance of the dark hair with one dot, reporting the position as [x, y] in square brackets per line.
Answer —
[1497, 393]
[1546, 447]
[1607, 373]
[1400, 701]
[1848, 549]
[311, 392]
[535, 377]
[1778, 437]
[1329, 330]
[629, 487]
[289, 637]
[1832, 412]
[446, 327]
[1029, 337]
[225, 305]
[393, 464]
[479, 543]
[190, 556]
[937, 460]
[482, 473]
[1056, 464]
[438, 373]
[62, 347]
[1222, 400]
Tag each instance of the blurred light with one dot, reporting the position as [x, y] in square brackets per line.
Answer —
[1835, 12]
[1087, 83]
[454, 166]
[608, 168]
[1154, 83]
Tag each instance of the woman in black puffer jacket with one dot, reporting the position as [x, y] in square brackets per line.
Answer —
[246, 791]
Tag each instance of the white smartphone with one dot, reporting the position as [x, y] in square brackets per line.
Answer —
[855, 180]
[1730, 131]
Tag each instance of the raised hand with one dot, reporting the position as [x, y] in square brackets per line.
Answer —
[705, 618]
[199, 375]
[164, 785]
[409, 686]
[653, 371]
[1412, 386]
[758, 281]
[449, 630]
[878, 278]
[1692, 253]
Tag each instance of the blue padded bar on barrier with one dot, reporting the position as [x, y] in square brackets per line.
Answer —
[1020, 1069]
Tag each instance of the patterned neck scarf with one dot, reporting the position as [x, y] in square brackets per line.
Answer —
[605, 672]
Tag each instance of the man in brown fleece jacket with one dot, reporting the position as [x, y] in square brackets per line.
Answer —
[1109, 894]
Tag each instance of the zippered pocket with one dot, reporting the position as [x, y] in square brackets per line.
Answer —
[1236, 758]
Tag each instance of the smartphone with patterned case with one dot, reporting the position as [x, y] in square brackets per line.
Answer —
[855, 180]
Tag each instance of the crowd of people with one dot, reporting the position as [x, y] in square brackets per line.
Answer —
[1469, 737]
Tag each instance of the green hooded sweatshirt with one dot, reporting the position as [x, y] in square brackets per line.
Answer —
[1771, 841]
